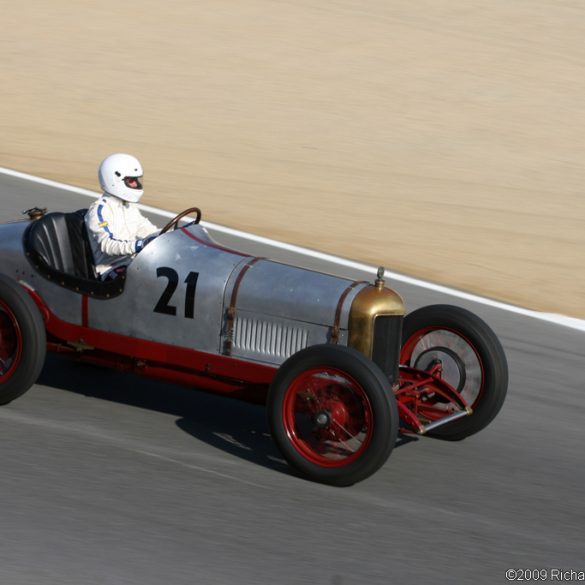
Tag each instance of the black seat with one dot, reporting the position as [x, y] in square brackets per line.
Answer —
[60, 239]
[58, 247]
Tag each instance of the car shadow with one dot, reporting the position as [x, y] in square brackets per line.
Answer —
[234, 426]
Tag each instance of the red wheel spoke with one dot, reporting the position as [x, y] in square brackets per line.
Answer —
[348, 434]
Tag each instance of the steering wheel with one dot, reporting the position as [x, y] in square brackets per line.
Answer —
[174, 223]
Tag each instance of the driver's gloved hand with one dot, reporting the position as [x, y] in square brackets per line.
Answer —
[140, 244]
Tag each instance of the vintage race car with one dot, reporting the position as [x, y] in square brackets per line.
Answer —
[341, 369]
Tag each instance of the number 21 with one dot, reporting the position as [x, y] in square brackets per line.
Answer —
[171, 275]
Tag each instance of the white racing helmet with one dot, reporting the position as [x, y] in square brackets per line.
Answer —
[121, 175]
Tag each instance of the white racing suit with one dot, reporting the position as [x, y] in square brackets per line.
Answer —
[116, 231]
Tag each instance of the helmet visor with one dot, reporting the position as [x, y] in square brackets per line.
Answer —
[133, 182]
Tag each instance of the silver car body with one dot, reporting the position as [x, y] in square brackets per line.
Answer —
[186, 290]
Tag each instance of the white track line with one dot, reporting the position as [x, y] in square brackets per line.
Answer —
[570, 322]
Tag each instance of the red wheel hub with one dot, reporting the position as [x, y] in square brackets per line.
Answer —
[327, 416]
[337, 411]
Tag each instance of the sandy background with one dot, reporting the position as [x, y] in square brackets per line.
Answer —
[441, 138]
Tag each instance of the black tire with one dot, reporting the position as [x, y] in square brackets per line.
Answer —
[343, 383]
[23, 342]
[490, 355]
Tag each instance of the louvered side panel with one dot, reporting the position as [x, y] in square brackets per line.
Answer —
[275, 340]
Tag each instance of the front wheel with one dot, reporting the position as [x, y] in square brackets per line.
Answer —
[469, 357]
[22, 341]
[332, 414]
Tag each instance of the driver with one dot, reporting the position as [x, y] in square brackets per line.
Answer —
[116, 227]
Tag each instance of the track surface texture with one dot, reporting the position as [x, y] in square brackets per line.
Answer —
[113, 479]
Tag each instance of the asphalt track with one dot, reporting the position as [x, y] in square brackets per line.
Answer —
[112, 479]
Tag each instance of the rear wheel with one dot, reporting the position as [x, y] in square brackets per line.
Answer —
[470, 359]
[332, 414]
[22, 341]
